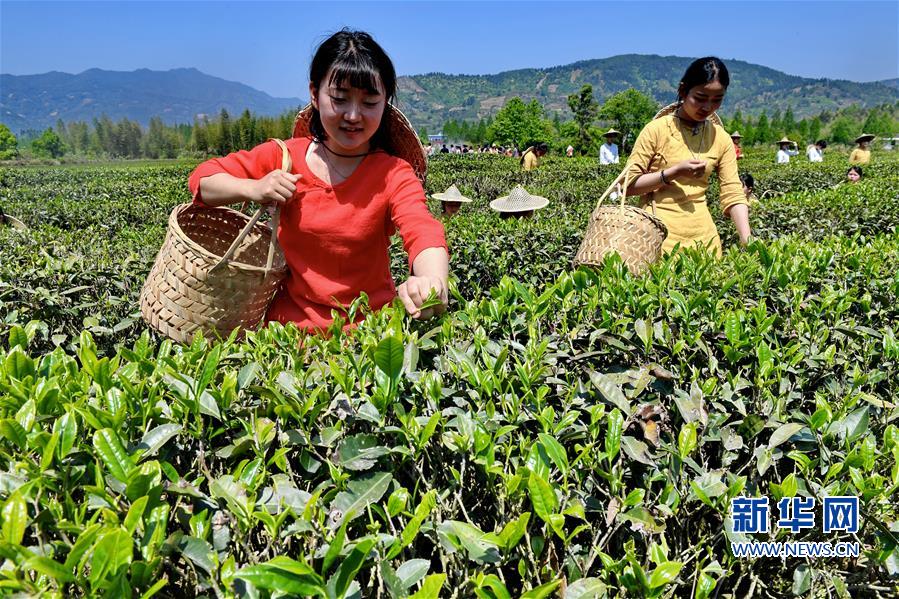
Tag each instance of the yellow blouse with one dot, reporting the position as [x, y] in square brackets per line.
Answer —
[859, 156]
[530, 160]
[681, 205]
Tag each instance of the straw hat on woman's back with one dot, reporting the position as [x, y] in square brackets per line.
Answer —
[671, 108]
[403, 139]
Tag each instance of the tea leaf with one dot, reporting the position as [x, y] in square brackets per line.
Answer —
[15, 519]
[360, 493]
[284, 575]
[543, 498]
[156, 438]
[783, 433]
[611, 392]
[112, 552]
[389, 357]
[112, 452]
[664, 574]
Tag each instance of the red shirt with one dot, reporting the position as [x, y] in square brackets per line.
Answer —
[738, 150]
[336, 238]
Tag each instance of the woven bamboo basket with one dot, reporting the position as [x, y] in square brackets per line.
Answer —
[634, 234]
[217, 271]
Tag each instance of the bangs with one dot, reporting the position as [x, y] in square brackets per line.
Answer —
[356, 71]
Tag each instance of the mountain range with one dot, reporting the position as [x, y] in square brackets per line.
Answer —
[176, 96]
[180, 95]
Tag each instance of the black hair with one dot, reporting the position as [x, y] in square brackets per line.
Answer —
[857, 169]
[354, 58]
[702, 71]
[821, 144]
[748, 181]
[541, 147]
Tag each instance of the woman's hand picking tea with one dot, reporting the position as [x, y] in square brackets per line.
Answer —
[423, 296]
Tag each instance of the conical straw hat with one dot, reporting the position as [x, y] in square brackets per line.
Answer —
[864, 137]
[784, 141]
[452, 194]
[518, 200]
[6, 219]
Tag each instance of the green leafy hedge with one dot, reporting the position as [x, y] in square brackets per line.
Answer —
[557, 433]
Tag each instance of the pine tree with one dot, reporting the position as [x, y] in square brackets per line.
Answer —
[585, 110]
[814, 129]
[246, 130]
[225, 143]
[763, 133]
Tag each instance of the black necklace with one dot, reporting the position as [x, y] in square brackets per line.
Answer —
[325, 146]
[695, 127]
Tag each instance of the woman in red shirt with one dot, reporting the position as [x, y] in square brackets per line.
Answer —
[345, 197]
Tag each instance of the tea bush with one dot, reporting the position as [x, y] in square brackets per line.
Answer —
[557, 433]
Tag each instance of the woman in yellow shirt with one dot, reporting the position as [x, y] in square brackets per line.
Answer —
[861, 154]
[531, 157]
[675, 154]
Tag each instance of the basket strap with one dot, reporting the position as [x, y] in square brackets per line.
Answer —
[276, 217]
[621, 183]
[622, 191]
[286, 165]
[616, 184]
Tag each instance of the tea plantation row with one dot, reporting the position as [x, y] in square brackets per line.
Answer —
[559, 433]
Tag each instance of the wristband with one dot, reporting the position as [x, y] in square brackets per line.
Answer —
[662, 175]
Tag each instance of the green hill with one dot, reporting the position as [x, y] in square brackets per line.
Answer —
[179, 95]
[433, 98]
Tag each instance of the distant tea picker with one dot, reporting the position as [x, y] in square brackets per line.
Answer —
[608, 151]
[862, 154]
[451, 200]
[530, 158]
[786, 149]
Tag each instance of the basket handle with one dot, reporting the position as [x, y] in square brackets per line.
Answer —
[621, 183]
[286, 165]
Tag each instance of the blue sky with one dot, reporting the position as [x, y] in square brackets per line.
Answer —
[268, 44]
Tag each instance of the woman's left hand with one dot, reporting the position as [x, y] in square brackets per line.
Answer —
[415, 291]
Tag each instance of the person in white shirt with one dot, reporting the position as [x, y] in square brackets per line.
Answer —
[608, 152]
[784, 153]
[815, 152]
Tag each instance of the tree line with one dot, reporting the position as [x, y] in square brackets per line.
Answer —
[517, 123]
[105, 138]
[629, 111]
